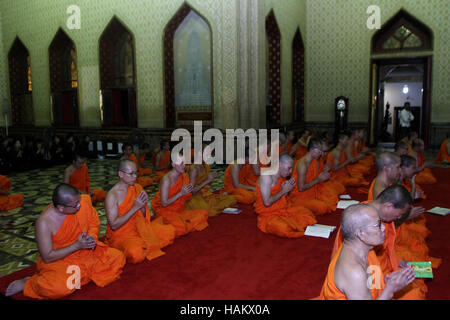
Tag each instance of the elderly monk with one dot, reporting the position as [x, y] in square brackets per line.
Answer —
[391, 204]
[162, 160]
[140, 156]
[8, 202]
[275, 215]
[424, 176]
[444, 152]
[338, 161]
[67, 239]
[175, 190]
[130, 227]
[301, 147]
[128, 154]
[310, 176]
[347, 277]
[200, 176]
[77, 175]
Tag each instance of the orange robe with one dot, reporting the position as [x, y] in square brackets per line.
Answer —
[362, 167]
[342, 175]
[144, 171]
[242, 195]
[214, 203]
[331, 292]
[300, 152]
[102, 265]
[165, 160]
[176, 214]
[80, 180]
[143, 181]
[443, 153]
[280, 218]
[320, 198]
[8, 202]
[139, 238]
[425, 176]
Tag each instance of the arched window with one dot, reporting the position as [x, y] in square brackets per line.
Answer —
[188, 69]
[298, 78]
[402, 33]
[20, 84]
[63, 80]
[273, 109]
[117, 76]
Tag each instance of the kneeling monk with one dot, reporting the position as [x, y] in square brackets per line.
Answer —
[67, 238]
[129, 227]
[275, 216]
[8, 202]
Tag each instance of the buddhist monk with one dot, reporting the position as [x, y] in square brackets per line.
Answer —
[354, 151]
[355, 272]
[175, 190]
[200, 176]
[140, 155]
[337, 187]
[77, 175]
[275, 215]
[301, 147]
[388, 165]
[391, 204]
[401, 148]
[309, 175]
[67, 239]
[288, 145]
[444, 152]
[128, 154]
[424, 175]
[8, 202]
[412, 135]
[162, 160]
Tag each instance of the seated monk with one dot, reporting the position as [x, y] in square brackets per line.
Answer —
[67, 236]
[401, 148]
[275, 215]
[127, 149]
[174, 192]
[301, 147]
[424, 175]
[77, 175]
[337, 187]
[391, 204]
[388, 165]
[361, 148]
[412, 135]
[309, 175]
[444, 152]
[140, 156]
[347, 277]
[338, 161]
[162, 160]
[288, 144]
[360, 167]
[8, 202]
[130, 228]
[200, 176]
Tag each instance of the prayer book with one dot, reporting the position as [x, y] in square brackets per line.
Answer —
[232, 210]
[315, 231]
[422, 269]
[345, 196]
[440, 211]
[331, 228]
[343, 204]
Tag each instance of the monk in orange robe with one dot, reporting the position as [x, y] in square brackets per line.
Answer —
[70, 253]
[162, 161]
[200, 176]
[140, 156]
[401, 148]
[175, 190]
[424, 176]
[338, 161]
[412, 135]
[130, 227]
[235, 182]
[444, 152]
[337, 187]
[347, 277]
[275, 215]
[301, 147]
[129, 155]
[77, 175]
[8, 202]
[309, 175]
[354, 150]
[391, 204]
[288, 144]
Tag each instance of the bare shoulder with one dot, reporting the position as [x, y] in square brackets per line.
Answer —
[348, 272]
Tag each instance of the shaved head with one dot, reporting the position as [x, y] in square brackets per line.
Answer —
[285, 158]
[386, 159]
[63, 194]
[354, 218]
[123, 164]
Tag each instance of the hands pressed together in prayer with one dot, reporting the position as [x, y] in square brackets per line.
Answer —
[211, 176]
[399, 279]
[140, 201]
[86, 241]
[288, 185]
[187, 189]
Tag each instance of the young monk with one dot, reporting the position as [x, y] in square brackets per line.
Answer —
[162, 160]
[309, 175]
[170, 201]
[275, 215]
[130, 228]
[77, 175]
[401, 148]
[129, 155]
[300, 148]
[140, 156]
[200, 176]
[388, 165]
[8, 202]
[424, 174]
[444, 152]
[337, 187]
[352, 153]
[67, 236]
[347, 277]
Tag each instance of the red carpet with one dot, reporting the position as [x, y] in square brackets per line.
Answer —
[233, 260]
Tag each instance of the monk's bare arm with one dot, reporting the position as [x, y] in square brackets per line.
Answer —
[301, 177]
[67, 173]
[265, 183]
[256, 169]
[165, 187]
[158, 160]
[112, 212]
[235, 177]
[352, 282]
[377, 189]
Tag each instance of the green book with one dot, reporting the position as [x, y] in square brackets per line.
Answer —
[422, 269]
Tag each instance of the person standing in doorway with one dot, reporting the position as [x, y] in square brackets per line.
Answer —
[406, 117]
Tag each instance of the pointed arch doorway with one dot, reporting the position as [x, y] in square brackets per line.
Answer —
[400, 72]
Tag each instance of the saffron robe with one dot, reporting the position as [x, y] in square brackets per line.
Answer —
[143, 181]
[443, 153]
[80, 180]
[242, 195]
[8, 202]
[425, 176]
[163, 161]
[102, 265]
[342, 175]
